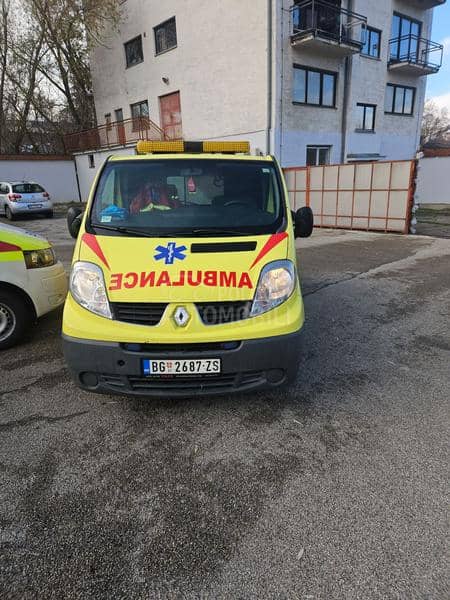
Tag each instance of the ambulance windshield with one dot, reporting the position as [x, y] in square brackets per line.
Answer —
[188, 197]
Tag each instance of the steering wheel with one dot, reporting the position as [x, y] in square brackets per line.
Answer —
[236, 203]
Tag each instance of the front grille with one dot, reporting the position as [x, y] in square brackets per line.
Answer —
[211, 313]
[218, 313]
[183, 385]
[175, 349]
[140, 313]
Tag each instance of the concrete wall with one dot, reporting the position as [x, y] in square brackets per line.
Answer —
[86, 173]
[55, 175]
[219, 66]
[433, 180]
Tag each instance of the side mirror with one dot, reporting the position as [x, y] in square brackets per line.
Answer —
[303, 222]
[74, 218]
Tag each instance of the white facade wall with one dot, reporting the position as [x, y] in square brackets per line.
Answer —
[219, 66]
[432, 170]
[221, 69]
[56, 176]
[87, 173]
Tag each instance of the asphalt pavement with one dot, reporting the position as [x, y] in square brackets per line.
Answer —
[337, 488]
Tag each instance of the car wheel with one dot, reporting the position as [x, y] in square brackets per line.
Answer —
[49, 214]
[9, 214]
[15, 318]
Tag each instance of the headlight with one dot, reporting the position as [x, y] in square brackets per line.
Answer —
[276, 283]
[34, 259]
[87, 287]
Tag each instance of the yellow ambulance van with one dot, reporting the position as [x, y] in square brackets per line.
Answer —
[184, 277]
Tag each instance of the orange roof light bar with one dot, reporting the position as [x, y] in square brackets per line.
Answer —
[180, 146]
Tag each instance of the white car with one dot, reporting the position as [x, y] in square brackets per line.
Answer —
[24, 197]
[32, 282]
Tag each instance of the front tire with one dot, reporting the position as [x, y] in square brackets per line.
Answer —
[49, 214]
[9, 214]
[15, 318]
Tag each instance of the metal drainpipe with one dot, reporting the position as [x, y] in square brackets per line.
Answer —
[347, 78]
[281, 83]
[269, 76]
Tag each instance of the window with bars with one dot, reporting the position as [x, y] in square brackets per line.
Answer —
[399, 99]
[165, 36]
[365, 117]
[139, 114]
[134, 53]
[314, 86]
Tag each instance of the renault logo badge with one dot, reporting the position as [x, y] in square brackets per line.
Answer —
[181, 316]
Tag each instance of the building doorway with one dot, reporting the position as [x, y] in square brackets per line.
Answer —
[170, 111]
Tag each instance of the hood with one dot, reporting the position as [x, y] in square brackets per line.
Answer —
[182, 269]
[26, 240]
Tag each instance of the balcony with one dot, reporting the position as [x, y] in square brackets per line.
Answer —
[111, 135]
[413, 55]
[326, 28]
[426, 4]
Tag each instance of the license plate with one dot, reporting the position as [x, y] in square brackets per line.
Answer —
[35, 206]
[191, 366]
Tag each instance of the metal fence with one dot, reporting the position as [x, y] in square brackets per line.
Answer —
[118, 133]
[374, 196]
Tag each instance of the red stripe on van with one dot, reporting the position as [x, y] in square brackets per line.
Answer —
[91, 242]
[273, 241]
[5, 247]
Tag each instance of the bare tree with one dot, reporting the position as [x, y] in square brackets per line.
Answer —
[435, 125]
[4, 26]
[71, 27]
[45, 80]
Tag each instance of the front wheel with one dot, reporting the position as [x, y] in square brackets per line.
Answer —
[15, 318]
[9, 214]
[49, 214]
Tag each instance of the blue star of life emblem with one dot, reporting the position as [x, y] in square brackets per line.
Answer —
[170, 253]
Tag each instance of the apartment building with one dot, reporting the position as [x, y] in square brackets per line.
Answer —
[310, 81]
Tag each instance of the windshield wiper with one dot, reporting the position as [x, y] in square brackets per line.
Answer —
[181, 232]
[124, 230]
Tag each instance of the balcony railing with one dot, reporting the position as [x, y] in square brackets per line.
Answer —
[118, 133]
[318, 20]
[415, 55]
[426, 4]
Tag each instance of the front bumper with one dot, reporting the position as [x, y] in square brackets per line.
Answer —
[47, 287]
[113, 368]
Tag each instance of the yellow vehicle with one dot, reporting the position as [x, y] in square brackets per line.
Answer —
[184, 277]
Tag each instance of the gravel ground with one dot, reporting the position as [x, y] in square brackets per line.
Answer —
[334, 489]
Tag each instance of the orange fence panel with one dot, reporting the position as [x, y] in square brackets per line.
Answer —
[375, 196]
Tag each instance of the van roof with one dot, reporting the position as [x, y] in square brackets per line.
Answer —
[180, 156]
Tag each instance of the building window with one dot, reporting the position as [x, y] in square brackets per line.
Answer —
[315, 87]
[108, 121]
[139, 114]
[405, 36]
[91, 161]
[118, 115]
[165, 36]
[365, 117]
[133, 51]
[399, 99]
[372, 43]
[317, 155]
